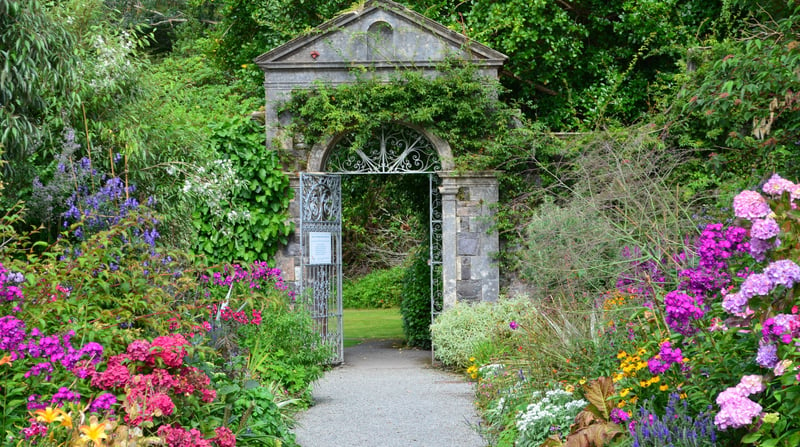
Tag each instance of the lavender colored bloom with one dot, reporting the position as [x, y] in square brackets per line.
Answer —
[765, 228]
[750, 205]
[783, 272]
[734, 303]
[767, 355]
[758, 248]
[756, 284]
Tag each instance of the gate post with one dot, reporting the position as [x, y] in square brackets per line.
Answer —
[470, 271]
[448, 191]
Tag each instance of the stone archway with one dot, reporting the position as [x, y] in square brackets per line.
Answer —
[376, 40]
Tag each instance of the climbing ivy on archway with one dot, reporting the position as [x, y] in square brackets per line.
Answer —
[459, 106]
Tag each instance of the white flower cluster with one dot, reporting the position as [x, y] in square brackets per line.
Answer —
[492, 369]
[553, 409]
[213, 185]
[112, 60]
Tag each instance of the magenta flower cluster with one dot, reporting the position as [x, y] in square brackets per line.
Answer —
[666, 357]
[681, 309]
[736, 409]
[46, 353]
[257, 274]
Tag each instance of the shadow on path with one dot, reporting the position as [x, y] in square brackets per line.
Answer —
[384, 396]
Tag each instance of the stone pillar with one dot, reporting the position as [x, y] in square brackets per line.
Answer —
[474, 244]
[287, 259]
[448, 191]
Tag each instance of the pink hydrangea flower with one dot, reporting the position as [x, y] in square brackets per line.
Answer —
[765, 229]
[750, 205]
[776, 185]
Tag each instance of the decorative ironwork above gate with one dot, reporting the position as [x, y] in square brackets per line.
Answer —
[392, 149]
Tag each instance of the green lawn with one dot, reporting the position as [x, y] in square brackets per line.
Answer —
[366, 324]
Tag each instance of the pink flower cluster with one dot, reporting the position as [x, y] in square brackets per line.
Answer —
[152, 375]
[665, 358]
[259, 273]
[227, 314]
[178, 436]
[736, 410]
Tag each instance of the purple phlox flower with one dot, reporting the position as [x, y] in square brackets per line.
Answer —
[103, 402]
[776, 185]
[764, 229]
[665, 358]
[93, 351]
[681, 309]
[35, 403]
[64, 394]
[783, 272]
[12, 333]
[750, 205]
[39, 368]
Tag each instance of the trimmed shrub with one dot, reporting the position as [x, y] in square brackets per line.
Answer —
[380, 289]
[460, 330]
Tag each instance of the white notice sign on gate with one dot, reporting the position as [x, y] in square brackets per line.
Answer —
[319, 248]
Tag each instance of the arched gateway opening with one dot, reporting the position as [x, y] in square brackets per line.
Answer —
[462, 244]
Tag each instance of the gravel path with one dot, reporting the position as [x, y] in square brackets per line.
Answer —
[383, 396]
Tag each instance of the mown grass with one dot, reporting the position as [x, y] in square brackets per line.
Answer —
[371, 324]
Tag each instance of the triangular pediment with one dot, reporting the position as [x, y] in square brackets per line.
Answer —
[379, 33]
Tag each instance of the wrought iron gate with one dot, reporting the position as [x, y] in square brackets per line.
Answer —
[321, 261]
[435, 260]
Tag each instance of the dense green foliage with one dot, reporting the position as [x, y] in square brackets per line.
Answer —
[379, 289]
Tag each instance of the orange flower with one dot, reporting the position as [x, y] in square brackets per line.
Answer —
[5, 359]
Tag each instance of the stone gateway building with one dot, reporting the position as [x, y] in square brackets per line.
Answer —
[376, 40]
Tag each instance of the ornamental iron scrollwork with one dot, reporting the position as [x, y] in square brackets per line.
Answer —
[392, 149]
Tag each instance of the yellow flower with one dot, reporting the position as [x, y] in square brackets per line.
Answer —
[569, 388]
[624, 392]
[48, 415]
[655, 379]
[621, 404]
[683, 395]
[664, 387]
[582, 381]
[641, 351]
[244, 65]
[94, 432]
[617, 377]
[644, 383]
[621, 354]
[641, 365]
[472, 359]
